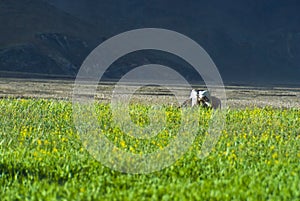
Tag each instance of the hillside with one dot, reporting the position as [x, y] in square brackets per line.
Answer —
[250, 41]
[39, 38]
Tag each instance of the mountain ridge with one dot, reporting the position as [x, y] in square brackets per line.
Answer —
[250, 41]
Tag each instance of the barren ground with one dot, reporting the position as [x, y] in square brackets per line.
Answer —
[237, 96]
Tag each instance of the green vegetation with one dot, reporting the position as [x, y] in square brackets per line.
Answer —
[42, 157]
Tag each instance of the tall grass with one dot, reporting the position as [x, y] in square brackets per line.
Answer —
[43, 158]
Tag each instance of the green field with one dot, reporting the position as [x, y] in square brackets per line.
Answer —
[42, 157]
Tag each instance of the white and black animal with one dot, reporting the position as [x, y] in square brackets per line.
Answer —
[202, 98]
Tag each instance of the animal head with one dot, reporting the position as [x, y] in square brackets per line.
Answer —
[204, 94]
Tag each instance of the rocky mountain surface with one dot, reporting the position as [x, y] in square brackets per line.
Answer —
[250, 41]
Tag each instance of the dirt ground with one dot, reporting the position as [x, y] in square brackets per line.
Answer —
[236, 96]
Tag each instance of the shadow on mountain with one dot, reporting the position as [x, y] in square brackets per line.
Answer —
[250, 41]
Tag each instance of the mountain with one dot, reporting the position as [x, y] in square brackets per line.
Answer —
[39, 38]
[251, 41]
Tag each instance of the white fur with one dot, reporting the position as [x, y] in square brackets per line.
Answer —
[194, 97]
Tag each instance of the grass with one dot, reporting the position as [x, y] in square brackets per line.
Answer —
[43, 158]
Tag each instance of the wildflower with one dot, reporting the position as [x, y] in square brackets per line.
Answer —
[275, 155]
[54, 150]
[123, 144]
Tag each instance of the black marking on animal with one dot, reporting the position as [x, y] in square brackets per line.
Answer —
[215, 103]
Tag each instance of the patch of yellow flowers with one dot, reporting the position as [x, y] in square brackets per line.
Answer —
[46, 127]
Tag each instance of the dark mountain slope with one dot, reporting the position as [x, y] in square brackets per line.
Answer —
[251, 41]
[39, 38]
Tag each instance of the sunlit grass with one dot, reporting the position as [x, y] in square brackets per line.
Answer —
[42, 157]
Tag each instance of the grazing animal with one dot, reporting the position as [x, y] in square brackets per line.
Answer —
[203, 99]
[215, 103]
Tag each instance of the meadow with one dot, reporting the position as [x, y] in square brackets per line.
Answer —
[42, 156]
